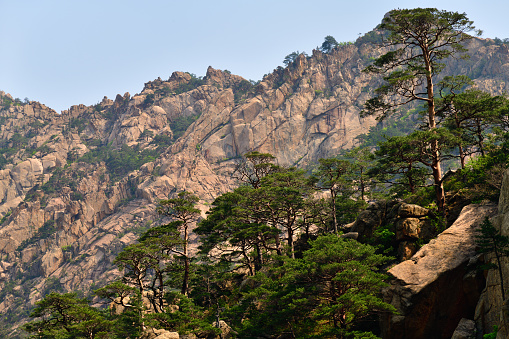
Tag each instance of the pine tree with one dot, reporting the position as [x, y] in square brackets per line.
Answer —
[420, 39]
[489, 240]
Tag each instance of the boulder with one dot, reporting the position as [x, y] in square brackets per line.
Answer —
[350, 235]
[408, 228]
[51, 261]
[409, 222]
[411, 210]
[368, 220]
[406, 249]
[439, 285]
[464, 330]
[153, 333]
[492, 310]
[226, 330]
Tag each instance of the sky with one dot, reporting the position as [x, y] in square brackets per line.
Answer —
[69, 52]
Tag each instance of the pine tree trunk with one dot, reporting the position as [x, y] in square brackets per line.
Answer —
[185, 281]
[435, 154]
[499, 266]
[334, 217]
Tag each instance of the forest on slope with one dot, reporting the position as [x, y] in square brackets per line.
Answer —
[82, 189]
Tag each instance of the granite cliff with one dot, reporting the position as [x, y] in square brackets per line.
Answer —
[79, 186]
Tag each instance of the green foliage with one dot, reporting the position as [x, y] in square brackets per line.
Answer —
[188, 318]
[324, 294]
[489, 240]
[348, 209]
[395, 125]
[42, 150]
[5, 217]
[78, 124]
[399, 164]
[492, 335]
[482, 177]
[163, 141]
[241, 89]
[180, 125]
[329, 44]
[181, 208]
[372, 37]
[383, 238]
[290, 58]
[195, 82]
[45, 231]
[120, 162]
[66, 316]
[3, 161]
[163, 92]
[8, 102]
[361, 161]
[228, 225]
[419, 39]
[331, 175]
[10, 147]
[253, 166]
[149, 100]
[58, 180]
[499, 41]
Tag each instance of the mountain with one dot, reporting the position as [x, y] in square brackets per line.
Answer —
[79, 186]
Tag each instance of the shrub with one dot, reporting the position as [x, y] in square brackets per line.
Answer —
[180, 125]
[44, 232]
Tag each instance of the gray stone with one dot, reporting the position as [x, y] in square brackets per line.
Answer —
[411, 210]
[438, 286]
[350, 235]
[465, 330]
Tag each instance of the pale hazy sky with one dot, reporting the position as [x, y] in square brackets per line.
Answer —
[66, 52]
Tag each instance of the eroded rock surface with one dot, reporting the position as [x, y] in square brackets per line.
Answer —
[440, 284]
[492, 310]
[66, 213]
[408, 222]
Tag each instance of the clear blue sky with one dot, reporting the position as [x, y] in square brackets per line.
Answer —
[66, 52]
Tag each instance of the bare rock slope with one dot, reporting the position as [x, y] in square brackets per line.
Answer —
[440, 284]
[77, 187]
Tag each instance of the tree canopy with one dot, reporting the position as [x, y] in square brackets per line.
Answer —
[419, 39]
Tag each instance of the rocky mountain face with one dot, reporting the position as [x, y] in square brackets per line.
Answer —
[77, 187]
[441, 284]
[442, 291]
[492, 309]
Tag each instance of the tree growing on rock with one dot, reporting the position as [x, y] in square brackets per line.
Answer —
[330, 176]
[329, 44]
[67, 316]
[419, 39]
[290, 58]
[183, 210]
[324, 294]
[489, 240]
[253, 166]
[468, 114]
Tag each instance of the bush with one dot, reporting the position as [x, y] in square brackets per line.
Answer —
[120, 162]
[180, 125]
[241, 89]
[195, 82]
[78, 124]
[149, 100]
[44, 232]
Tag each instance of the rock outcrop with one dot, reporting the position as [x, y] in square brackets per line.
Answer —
[408, 222]
[159, 334]
[77, 187]
[465, 330]
[440, 284]
[492, 310]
